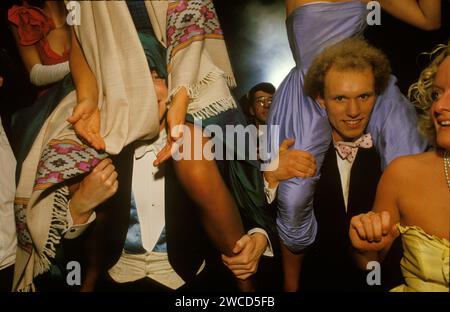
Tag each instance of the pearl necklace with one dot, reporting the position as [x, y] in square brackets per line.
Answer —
[447, 166]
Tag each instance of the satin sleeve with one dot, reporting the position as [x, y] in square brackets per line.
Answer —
[294, 115]
[393, 126]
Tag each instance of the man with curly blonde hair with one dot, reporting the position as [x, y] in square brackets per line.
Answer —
[350, 54]
[346, 80]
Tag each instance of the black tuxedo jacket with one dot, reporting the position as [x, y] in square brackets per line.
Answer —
[328, 263]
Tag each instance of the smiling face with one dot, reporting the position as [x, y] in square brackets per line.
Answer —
[349, 97]
[440, 110]
[260, 107]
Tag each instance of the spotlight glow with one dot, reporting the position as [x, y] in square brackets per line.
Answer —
[267, 38]
[278, 71]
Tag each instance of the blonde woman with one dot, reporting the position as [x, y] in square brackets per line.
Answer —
[413, 197]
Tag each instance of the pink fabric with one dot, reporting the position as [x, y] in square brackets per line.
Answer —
[348, 150]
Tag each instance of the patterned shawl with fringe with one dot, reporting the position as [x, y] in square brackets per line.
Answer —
[129, 112]
[197, 60]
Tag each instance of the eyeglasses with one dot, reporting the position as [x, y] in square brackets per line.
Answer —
[264, 101]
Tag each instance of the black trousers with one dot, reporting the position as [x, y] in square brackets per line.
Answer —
[6, 278]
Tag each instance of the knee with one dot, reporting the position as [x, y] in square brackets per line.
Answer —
[297, 238]
[296, 223]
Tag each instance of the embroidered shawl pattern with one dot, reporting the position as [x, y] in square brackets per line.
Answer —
[60, 161]
[187, 23]
[129, 111]
[197, 58]
[128, 106]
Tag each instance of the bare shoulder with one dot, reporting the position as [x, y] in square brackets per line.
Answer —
[405, 167]
[406, 162]
[403, 176]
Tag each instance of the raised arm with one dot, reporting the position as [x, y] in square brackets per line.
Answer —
[424, 14]
[373, 233]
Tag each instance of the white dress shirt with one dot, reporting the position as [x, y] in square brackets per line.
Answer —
[344, 167]
[8, 237]
[148, 190]
[73, 231]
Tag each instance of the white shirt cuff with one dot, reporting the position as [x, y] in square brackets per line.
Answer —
[73, 231]
[269, 250]
[271, 193]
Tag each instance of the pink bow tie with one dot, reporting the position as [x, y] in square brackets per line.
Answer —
[348, 150]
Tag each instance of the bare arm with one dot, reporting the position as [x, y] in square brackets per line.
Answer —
[373, 233]
[40, 75]
[95, 189]
[86, 115]
[291, 5]
[84, 79]
[176, 117]
[248, 251]
[29, 54]
[424, 14]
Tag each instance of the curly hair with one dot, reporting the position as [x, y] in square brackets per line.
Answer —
[420, 93]
[352, 53]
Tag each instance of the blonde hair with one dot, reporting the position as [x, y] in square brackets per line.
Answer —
[420, 92]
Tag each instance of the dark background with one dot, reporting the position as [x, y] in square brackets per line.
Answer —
[256, 38]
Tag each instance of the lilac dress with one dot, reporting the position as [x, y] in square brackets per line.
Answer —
[311, 28]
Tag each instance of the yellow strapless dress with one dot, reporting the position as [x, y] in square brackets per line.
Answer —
[425, 262]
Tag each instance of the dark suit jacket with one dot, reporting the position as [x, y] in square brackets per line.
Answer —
[328, 263]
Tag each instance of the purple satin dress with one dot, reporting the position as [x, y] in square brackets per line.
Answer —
[311, 28]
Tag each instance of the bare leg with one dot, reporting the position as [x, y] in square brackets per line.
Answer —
[218, 211]
[292, 264]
